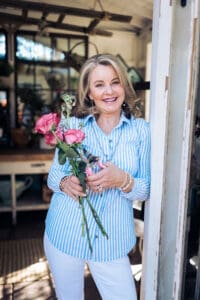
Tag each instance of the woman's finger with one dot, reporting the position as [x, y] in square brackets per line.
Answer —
[73, 188]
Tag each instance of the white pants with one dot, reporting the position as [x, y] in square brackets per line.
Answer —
[113, 279]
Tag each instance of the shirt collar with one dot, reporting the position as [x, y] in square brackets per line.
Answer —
[123, 119]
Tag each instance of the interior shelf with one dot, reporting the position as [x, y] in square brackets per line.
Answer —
[24, 182]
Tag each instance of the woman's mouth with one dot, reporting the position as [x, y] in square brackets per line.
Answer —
[110, 100]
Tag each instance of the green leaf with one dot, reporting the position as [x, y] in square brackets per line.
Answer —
[68, 150]
[61, 157]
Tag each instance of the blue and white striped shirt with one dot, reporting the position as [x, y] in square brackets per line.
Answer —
[127, 146]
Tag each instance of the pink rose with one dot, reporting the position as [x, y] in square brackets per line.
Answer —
[50, 138]
[73, 136]
[46, 123]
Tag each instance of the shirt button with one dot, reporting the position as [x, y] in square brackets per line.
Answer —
[96, 236]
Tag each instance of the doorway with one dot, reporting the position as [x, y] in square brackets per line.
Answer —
[191, 269]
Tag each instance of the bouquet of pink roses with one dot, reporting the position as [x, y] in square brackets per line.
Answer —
[69, 144]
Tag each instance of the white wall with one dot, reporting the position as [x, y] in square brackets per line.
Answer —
[131, 47]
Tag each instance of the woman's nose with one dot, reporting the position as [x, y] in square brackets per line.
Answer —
[108, 89]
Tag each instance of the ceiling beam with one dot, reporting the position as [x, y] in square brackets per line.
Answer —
[60, 18]
[92, 25]
[24, 13]
[10, 18]
[44, 15]
[43, 7]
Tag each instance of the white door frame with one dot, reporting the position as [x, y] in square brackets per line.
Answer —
[175, 56]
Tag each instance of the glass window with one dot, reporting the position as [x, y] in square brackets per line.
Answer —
[39, 49]
[46, 67]
[2, 46]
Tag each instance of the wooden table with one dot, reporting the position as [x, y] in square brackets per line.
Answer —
[22, 162]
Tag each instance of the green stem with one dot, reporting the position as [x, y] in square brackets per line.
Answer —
[74, 167]
[85, 222]
[96, 217]
[57, 139]
[94, 213]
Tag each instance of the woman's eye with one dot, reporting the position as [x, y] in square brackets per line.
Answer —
[116, 82]
[99, 85]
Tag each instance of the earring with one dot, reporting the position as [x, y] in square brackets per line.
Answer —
[124, 104]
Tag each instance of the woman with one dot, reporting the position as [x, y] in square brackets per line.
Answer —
[106, 108]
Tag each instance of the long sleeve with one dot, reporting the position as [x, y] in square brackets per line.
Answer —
[57, 172]
[141, 187]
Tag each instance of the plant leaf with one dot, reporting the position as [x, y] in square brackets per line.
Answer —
[61, 157]
[68, 150]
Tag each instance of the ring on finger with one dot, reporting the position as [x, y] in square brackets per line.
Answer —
[100, 188]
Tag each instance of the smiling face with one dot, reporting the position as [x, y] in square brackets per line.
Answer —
[106, 90]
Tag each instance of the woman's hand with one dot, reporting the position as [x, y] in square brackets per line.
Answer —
[72, 186]
[109, 177]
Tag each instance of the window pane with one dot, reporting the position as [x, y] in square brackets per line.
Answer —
[2, 45]
[41, 73]
[74, 75]
[38, 49]
[47, 66]
[25, 74]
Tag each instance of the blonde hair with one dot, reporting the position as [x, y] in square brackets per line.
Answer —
[85, 106]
